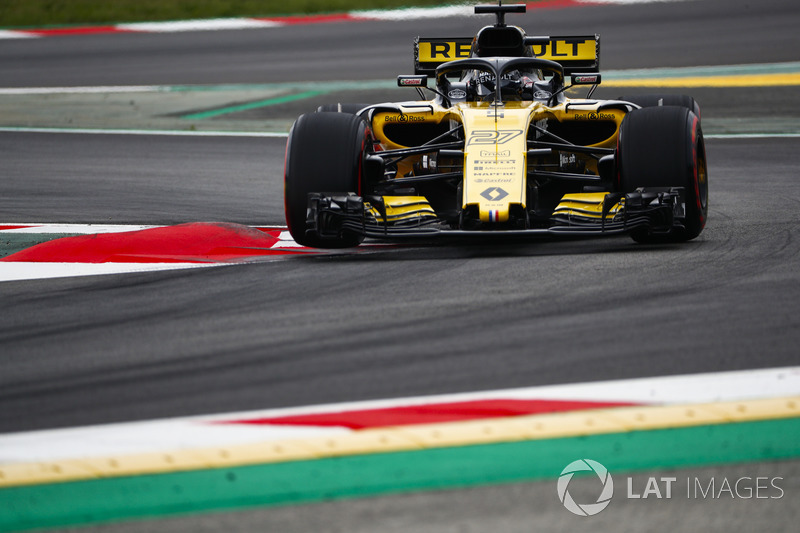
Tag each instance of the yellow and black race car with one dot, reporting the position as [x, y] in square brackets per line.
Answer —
[498, 149]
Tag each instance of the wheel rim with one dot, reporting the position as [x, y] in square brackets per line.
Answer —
[702, 179]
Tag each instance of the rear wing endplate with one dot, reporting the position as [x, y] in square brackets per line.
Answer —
[576, 53]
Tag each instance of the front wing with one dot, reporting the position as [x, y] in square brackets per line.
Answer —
[394, 217]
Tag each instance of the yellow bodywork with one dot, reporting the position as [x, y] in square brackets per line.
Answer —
[587, 205]
[495, 145]
[495, 158]
[402, 208]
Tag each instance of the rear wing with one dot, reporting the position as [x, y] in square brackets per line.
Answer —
[576, 53]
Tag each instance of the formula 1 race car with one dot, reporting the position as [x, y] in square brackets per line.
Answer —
[499, 149]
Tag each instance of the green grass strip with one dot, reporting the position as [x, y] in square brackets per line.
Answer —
[252, 105]
[298, 482]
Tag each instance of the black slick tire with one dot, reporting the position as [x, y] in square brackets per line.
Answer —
[661, 147]
[324, 154]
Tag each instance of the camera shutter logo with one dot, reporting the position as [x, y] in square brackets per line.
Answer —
[587, 509]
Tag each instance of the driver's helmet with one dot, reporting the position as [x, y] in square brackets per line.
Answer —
[514, 84]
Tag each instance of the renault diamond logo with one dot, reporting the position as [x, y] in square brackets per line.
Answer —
[494, 194]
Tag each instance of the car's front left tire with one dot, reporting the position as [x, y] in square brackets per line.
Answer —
[324, 154]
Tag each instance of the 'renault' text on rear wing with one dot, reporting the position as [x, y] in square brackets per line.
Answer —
[576, 53]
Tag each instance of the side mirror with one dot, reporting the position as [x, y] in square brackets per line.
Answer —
[412, 81]
[585, 79]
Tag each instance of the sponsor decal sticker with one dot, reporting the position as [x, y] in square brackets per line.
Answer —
[499, 153]
[493, 180]
[593, 115]
[567, 159]
[412, 82]
[403, 118]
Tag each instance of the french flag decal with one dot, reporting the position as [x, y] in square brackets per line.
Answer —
[493, 216]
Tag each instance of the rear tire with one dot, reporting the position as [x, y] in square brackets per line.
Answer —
[664, 147]
[656, 100]
[324, 154]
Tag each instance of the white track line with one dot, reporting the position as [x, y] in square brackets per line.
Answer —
[77, 229]
[241, 23]
[142, 437]
[22, 271]
[101, 89]
[415, 13]
[12, 34]
[173, 133]
[198, 25]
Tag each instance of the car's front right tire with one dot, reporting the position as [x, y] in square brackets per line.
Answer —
[663, 147]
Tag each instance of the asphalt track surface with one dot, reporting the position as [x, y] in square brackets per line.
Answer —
[406, 321]
[410, 320]
[706, 32]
